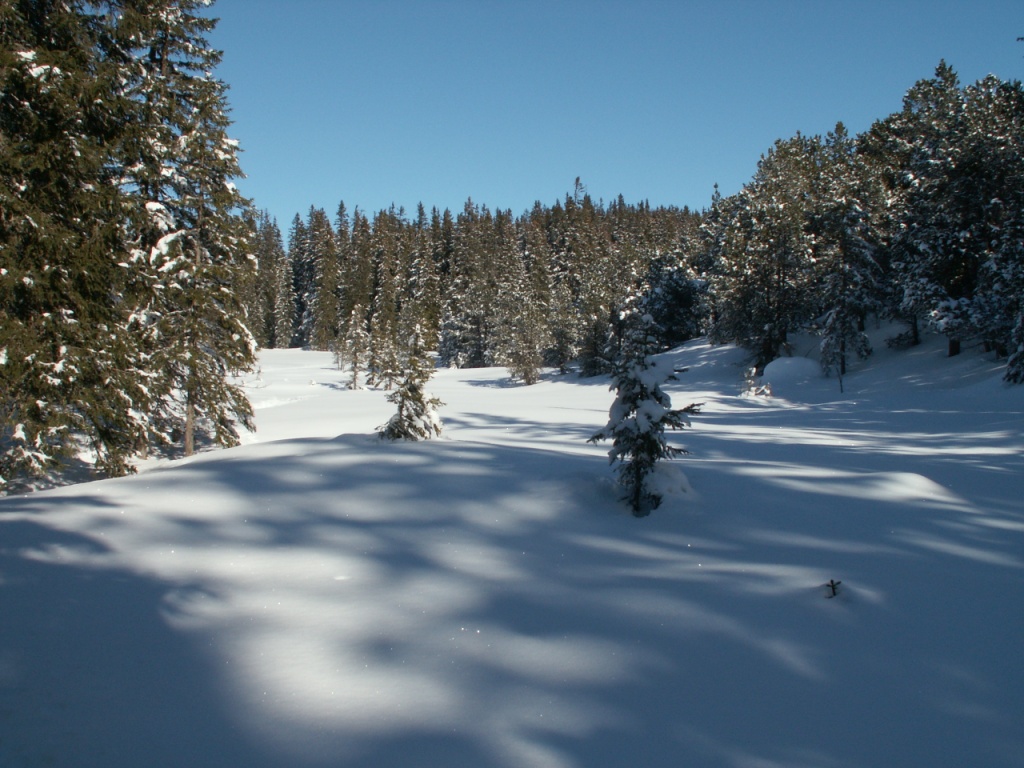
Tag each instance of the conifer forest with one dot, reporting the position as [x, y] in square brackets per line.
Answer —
[136, 282]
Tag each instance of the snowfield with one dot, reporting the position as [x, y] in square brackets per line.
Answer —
[317, 597]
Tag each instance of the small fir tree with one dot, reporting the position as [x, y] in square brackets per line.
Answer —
[354, 348]
[641, 413]
[416, 418]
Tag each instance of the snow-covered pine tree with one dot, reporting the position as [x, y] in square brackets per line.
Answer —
[467, 328]
[354, 349]
[520, 317]
[384, 365]
[262, 281]
[935, 256]
[302, 278]
[763, 286]
[322, 301]
[358, 268]
[640, 414]
[69, 367]
[193, 241]
[844, 250]
[284, 298]
[995, 153]
[424, 281]
[416, 417]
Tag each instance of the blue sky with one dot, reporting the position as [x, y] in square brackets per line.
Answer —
[507, 102]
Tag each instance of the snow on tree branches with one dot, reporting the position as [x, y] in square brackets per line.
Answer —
[639, 416]
[416, 418]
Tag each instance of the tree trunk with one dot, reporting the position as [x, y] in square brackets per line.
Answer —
[190, 426]
[954, 347]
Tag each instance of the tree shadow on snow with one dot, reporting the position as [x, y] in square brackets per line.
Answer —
[352, 602]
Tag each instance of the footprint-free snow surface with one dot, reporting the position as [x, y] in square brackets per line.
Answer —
[316, 597]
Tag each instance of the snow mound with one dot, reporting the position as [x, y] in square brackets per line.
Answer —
[784, 374]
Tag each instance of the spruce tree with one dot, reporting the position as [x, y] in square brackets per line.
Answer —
[354, 349]
[322, 299]
[520, 318]
[384, 365]
[192, 241]
[284, 298]
[262, 314]
[302, 279]
[416, 417]
[70, 367]
[764, 279]
[844, 250]
[640, 414]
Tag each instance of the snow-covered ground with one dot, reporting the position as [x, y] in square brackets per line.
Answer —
[318, 598]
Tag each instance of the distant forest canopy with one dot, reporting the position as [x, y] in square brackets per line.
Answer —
[136, 282]
[919, 219]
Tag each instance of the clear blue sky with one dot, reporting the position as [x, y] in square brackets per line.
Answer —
[377, 102]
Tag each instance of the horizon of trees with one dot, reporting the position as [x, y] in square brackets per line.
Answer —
[919, 219]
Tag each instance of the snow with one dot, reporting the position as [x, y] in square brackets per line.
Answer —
[784, 374]
[318, 597]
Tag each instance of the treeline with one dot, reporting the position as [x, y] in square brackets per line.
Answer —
[919, 219]
[543, 288]
[122, 238]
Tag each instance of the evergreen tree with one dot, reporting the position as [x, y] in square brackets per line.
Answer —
[764, 282]
[358, 268]
[302, 279]
[384, 365]
[284, 298]
[423, 303]
[354, 349]
[322, 299]
[193, 243]
[521, 312]
[845, 254]
[261, 307]
[467, 331]
[416, 417]
[639, 416]
[935, 257]
[70, 367]
[994, 153]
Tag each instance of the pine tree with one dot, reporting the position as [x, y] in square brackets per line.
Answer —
[467, 330]
[934, 257]
[639, 416]
[845, 254]
[284, 298]
[358, 267]
[354, 349]
[416, 417]
[521, 312]
[302, 279]
[193, 242]
[70, 367]
[269, 258]
[384, 365]
[322, 299]
[764, 281]
[994, 155]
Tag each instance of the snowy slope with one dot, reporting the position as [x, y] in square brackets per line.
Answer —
[318, 598]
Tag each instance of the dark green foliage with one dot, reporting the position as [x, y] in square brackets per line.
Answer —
[193, 242]
[121, 236]
[68, 368]
[416, 417]
[640, 414]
